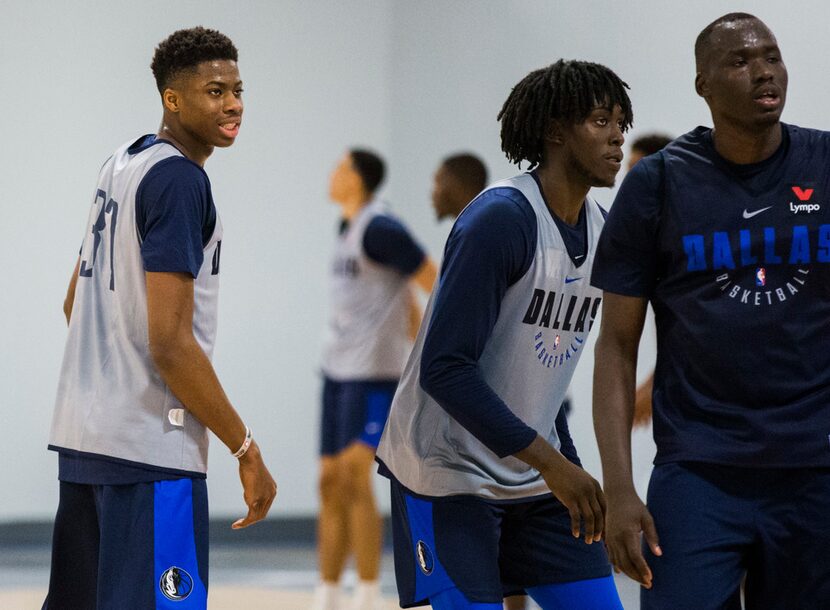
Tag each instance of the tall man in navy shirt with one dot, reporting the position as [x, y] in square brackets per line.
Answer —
[138, 393]
[727, 233]
[484, 503]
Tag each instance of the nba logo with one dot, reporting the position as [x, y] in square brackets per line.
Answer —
[761, 277]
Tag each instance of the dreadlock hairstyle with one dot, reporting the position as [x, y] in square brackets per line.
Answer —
[185, 49]
[566, 91]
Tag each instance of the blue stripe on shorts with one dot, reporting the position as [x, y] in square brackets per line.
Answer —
[180, 583]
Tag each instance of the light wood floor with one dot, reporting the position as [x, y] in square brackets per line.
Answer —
[221, 598]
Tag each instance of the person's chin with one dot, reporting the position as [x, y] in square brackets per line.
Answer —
[604, 182]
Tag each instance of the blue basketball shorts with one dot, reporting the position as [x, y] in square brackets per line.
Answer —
[720, 524]
[130, 547]
[486, 550]
[354, 411]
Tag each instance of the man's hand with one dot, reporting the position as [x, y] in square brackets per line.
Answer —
[581, 495]
[258, 487]
[628, 517]
[571, 485]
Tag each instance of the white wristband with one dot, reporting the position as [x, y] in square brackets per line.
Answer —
[246, 444]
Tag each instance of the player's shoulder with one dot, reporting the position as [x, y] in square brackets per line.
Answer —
[171, 180]
[385, 224]
[178, 172]
[691, 148]
[162, 158]
[647, 175]
[501, 202]
[817, 140]
[498, 217]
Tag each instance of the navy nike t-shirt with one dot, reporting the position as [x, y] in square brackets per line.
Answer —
[734, 259]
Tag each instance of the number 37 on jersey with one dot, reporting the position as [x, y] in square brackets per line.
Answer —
[103, 218]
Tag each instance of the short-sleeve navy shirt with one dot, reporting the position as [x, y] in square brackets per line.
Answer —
[734, 259]
[387, 242]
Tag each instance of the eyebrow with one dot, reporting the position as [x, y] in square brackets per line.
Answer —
[222, 83]
[765, 49]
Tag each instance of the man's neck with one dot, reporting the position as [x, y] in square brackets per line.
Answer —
[351, 207]
[198, 153]
[745, 146]
[563, 194]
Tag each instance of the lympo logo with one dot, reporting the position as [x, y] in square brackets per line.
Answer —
[804, 195]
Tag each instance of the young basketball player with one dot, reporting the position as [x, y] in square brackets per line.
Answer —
[137, 392]
[484, 504]
[376, 263]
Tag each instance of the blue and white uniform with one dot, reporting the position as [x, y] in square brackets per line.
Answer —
[491, 366]
[132, 460]
[367, 339]
[734, 259]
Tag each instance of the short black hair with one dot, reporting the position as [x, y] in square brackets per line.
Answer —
[566, 91]
[370, 167]
[468, 169]
[705, 36]
[651, 143]
[185, 49]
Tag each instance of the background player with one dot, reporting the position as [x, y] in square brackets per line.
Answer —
[645, 145]
[137, 389]
[741, 483]
[376, 262]
[456, 182]
[471, 442]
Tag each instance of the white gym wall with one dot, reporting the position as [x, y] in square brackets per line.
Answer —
[414, 80]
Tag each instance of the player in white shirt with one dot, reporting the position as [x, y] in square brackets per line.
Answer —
[376, 265]
[137, 392]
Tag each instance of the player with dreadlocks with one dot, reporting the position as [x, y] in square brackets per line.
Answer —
[488, 495]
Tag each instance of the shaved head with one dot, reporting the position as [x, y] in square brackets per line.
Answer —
[704, 40]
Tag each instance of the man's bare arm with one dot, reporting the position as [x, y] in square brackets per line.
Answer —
[69, 301]
[188, 373]
[424, 276]
[614, 383]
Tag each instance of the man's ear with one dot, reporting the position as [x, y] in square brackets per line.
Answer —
[701, 86]
[554, 133]
[171, 99]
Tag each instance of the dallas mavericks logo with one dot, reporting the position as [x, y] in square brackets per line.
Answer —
[425, 559]
[175, 584]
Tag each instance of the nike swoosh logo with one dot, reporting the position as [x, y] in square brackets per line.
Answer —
[749, 215]
[578, 256]
[568, 280]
